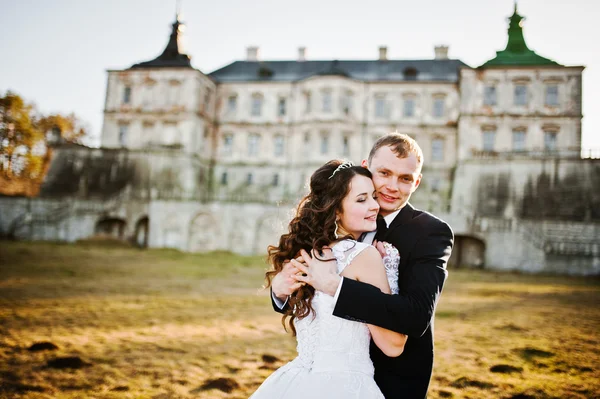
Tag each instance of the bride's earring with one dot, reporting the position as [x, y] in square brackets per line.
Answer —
[335, 232]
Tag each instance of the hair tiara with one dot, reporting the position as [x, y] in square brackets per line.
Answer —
[344, 165]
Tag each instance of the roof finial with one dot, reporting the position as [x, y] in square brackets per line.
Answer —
[177, 9]
[515, 6]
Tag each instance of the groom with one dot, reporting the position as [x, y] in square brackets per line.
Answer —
[424, 243]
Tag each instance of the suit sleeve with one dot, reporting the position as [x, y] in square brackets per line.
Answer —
[411, 311]
[277, 308]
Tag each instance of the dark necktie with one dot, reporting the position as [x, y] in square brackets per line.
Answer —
[382, 229]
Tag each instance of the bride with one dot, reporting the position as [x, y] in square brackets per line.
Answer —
[333, 353]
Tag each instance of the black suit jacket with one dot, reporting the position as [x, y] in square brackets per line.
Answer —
[424, 243]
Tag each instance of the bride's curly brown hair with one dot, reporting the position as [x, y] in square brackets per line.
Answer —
[312, 228]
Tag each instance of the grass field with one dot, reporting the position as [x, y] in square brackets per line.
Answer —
[162, 324]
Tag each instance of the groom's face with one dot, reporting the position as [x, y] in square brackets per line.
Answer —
[395, 179]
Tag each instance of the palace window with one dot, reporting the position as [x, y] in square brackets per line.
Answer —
[552, 95]
[249, 179]
[281, 105]
[253, 145]
[224, 179]
[410, 73]
[306, 147]
[346, 103]
[437, 150]
[489, 95]
[231, 104]
[489, 139]
[227, 144]
[346, 146]
[518, 140]
[127, 95]
[409, 107]
[520, 95]
[550, 139]
[327, 100]
[380, 106]
[278, 145]
[308, 102]
[438, 107]
[275, 182]
[257, 102]
[324, 143]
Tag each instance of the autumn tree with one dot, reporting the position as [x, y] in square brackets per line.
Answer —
[24, 153]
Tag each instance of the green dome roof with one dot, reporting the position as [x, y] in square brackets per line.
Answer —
[516, 52]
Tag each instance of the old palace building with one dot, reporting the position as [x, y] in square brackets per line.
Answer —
[202, 162]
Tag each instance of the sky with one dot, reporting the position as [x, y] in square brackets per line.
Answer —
[56, 53]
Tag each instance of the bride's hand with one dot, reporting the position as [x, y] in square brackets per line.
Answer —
[320, 271]
[283, 284]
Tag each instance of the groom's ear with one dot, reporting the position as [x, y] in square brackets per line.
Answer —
[418, 181]
[364, 164]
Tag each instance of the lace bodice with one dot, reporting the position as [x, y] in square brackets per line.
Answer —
[330, 343]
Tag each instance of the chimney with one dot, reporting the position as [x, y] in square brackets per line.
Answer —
[382, 53]
[301, 53]
[441, 52]
[252, 53]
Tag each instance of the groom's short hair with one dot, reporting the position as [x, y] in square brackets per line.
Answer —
[401, 144]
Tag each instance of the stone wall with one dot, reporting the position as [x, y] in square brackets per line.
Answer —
[184, 225]
[528, 187]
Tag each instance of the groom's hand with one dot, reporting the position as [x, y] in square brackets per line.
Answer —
[319, 271]
[380, 248]
[283, 284]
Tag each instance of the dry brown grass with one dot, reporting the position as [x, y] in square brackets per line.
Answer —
[164, 324]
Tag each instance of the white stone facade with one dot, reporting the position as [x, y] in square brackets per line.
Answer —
[149, 108]
[552, 106]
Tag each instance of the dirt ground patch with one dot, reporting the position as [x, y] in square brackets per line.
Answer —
[165, 324]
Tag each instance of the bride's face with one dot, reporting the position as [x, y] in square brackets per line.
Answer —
[359, 207]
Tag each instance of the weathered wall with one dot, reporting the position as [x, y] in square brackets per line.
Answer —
[525, 187]
[94, 173]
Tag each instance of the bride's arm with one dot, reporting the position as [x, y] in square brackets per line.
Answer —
[368, 267]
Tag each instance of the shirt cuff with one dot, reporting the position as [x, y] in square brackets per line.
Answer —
[337, 292]
[278, 302]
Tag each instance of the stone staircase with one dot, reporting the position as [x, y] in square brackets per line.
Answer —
[571, 238]
[553, 237]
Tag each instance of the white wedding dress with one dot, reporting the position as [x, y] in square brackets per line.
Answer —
[333, 353]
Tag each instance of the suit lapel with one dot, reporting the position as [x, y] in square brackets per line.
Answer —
[403, 217]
